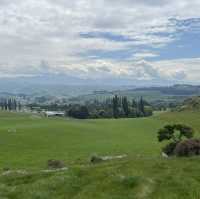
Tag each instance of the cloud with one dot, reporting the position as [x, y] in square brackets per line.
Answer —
[186, 69]
[179, 75]
[178, 70]
[143, 55]
[63, 32]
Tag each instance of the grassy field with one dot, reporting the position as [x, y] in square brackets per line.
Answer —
[27, 142]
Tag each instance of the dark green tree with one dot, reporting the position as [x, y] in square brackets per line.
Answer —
[5, 104]
[19, 106]
[141, 106]
[79, 112]
[9, 104]
[14, 104]
[84, 113]
[134, 104]
[116, 106]
[2, 104]
[175, 133]
[125, 106]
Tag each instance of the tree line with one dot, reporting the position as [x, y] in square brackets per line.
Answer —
[116, 107]
[10, 104]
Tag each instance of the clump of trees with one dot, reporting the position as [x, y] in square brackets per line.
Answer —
[10, 104]
[79, 112]
[122, 107]
[180, 140]
[116, 107]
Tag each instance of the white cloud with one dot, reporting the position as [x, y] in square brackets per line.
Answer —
[143, 55]
[31, 31]
[186, 68]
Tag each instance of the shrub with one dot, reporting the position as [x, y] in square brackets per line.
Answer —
[95, 159]
[148, 111]
[188, 147]
[130, 181]
[169, 149]
[6, 169]
[55, 164]
[169, 132]
[80, 112]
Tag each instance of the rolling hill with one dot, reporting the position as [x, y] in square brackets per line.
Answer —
[192, 104]
[28, 141]
[176, 93]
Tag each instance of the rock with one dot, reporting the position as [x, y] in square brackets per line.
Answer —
[55, 164]
[164, 155]
[54, 170]
[114, 157]
[11, 172]
[97, 159]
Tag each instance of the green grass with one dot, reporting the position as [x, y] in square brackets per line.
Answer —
[132, 178]
[27, 142]
[35, 140]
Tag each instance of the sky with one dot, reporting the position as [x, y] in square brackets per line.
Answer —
[146, 40]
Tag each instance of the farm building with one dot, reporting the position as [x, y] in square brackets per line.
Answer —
[54, 114]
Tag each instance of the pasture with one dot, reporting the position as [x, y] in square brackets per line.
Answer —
[27, 142]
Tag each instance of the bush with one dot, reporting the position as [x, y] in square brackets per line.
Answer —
[95, 159]
[55, 164]
[130, 181]
[175, 133]
[169, 149]
[148, 111]
[188, 148]
[79, 112]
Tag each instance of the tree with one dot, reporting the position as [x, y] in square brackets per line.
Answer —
[84, 113]
[2, 104]
[148, 111]
[19, 106]
[116, 106]
[141, 106]
[5, 104]
[79, 112]
[15, 104]
[9, 104]
[125, 106]
[134, 104]
[175, 133]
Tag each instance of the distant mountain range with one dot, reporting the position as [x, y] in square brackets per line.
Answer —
[86, 89]
[177, 89]
[57, 84]
[51, 83]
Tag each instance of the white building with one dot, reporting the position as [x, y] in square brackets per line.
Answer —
[54, 113]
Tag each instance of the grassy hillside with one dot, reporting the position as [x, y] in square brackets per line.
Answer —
[27, 142]
[133, 178]
[191, 104]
